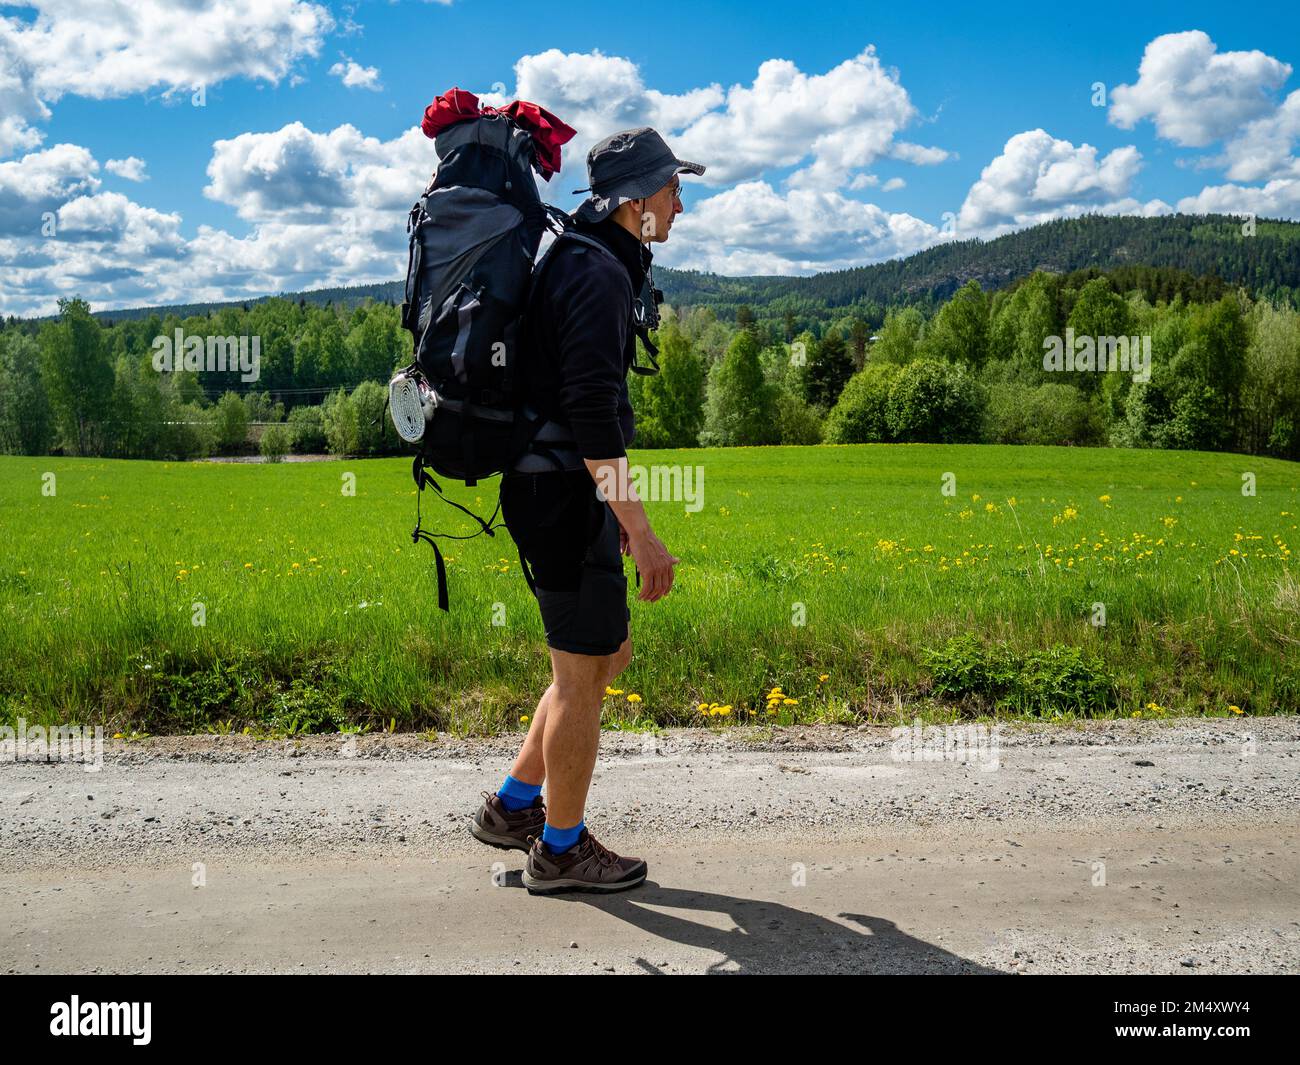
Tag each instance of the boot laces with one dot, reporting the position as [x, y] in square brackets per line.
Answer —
[603, 854]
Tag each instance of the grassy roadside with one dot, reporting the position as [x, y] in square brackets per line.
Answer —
[155, 597]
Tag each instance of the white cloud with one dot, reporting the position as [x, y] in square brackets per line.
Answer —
[129, 169]
[292, 170]
[918, 155]
[42, 182]
[327, 209]
[103, 48]
[1038, 178]
[598, 94]
[1195, 94]
[355, 76]
[20, 107]
[844, 120]
[135, 232]
[753, 229]
[1266, 147]
[1276, 199]
[892, 184]
[828, 124]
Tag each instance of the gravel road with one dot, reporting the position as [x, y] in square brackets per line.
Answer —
[1117, 846]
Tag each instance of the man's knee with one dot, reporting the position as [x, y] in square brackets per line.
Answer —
[619, 659]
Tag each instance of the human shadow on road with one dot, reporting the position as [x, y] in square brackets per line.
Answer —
[770, 937]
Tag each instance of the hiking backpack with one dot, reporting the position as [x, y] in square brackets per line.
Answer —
[473, 237]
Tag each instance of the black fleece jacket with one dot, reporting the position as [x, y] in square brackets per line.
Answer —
[580, 338]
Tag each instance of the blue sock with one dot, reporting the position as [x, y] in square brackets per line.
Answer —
[559, 840]
[515, 794]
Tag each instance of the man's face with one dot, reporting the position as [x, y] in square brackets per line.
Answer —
[659, 210]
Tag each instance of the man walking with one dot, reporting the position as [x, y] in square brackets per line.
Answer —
[581, 341]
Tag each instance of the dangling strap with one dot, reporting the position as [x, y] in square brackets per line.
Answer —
[423, 477]
[650, 352]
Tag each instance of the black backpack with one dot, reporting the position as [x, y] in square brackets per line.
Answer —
[473, 236]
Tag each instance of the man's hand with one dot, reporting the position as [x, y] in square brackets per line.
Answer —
[654, 563]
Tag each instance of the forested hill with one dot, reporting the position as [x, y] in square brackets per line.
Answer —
[1267, 263]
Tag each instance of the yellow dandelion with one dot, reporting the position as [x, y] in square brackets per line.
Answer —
[633, 697]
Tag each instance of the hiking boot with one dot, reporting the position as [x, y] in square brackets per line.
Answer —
[586, 866]
[508, 829]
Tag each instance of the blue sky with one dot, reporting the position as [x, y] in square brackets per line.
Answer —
[834, 135]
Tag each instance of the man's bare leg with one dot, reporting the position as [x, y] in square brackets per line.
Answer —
[572, 735]
[530, 766]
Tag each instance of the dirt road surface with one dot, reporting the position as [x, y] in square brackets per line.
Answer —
[1169, 847]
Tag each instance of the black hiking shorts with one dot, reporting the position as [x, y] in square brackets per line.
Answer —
[568, 537]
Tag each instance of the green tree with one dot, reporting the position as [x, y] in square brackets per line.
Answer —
[376, 343]
[859, 417]
[740, 408]
[368, 400]
[307, 426]
[231, 423]
[1270, 394]
[1021, 324]
[828, 371]
[898, 337]
[1099, 311]
[960, 331]
[673, 399]
[275, 442]
[77, 374]
[1052, 414]
[342, 426]
[26, 421]
[137, 410]
[935, 402]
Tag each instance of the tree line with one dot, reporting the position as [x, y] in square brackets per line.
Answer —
[1224, 374]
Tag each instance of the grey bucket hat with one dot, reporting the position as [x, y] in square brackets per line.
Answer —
[628, 165]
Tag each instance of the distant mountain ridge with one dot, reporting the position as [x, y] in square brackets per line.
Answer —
[1267, 262]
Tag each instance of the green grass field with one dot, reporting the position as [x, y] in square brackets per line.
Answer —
[842, 575]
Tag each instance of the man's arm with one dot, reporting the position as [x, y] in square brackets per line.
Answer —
[653, 561]
[594, 320]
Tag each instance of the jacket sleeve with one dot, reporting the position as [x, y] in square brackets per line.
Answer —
[593, 316]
